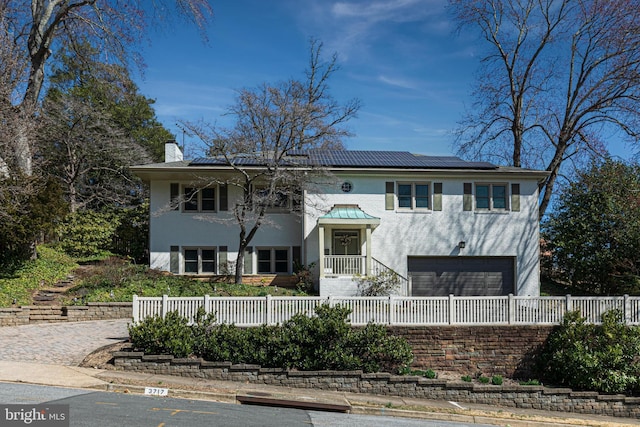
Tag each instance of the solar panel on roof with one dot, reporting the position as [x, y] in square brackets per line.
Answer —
[358, 159]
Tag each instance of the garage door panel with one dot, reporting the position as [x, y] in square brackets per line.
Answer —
[423, 283]
[463, 276]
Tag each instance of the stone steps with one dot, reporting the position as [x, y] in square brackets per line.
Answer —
[51, 295]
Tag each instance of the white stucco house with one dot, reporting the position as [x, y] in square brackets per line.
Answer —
[445, 225]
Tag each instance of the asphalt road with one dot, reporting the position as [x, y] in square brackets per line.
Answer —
[90, 409]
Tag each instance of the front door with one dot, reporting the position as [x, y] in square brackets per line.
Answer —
[346, 242]
[346, 248]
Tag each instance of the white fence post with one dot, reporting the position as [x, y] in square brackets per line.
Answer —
[627, 310]
[330, 300]
[392, 310]
[269, 309]
[165, 305]
[135, 309]
[452, 310]
[512, 309]
[569, 305]
[207, 303]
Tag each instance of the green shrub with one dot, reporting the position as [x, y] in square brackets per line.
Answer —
[592, 357]
[130, 238]
[86, 233]
[378, 351]
[171, 335]
[428, 373]
[320, 342]
[496, 380]
[466, 378]
[530, 382]
[382, 284]
[325, 341]
[484, 380]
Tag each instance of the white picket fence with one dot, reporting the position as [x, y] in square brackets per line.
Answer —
[395, 310]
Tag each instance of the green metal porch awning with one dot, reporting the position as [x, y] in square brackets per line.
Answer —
[348, 215]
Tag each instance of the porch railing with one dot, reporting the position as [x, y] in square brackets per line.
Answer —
[344, 265]
[396, 310]
[377, 267]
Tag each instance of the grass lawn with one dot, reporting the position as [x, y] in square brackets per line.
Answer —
[20, 281]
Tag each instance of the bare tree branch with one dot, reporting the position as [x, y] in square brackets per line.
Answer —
[558, 77]
[272, 122]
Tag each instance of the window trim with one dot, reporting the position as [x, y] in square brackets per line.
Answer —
[285, 208]
[272, 259]
[199, 249]
[414, 195]
[490, 186]
[198, 199]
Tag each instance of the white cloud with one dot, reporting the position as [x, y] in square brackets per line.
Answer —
[353, 27]
[399, 82]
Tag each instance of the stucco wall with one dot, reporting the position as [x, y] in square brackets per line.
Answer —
[437, 233]
[185, 229]
[399, 235]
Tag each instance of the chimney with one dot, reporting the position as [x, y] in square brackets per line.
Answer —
[172, 152]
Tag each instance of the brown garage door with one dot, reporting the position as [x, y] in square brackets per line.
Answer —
[461, 276]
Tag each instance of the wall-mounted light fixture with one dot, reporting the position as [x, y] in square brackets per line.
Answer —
[462, 244]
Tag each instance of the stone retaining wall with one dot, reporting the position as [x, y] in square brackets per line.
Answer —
[491, 350]
[25, 315]
[526, 397]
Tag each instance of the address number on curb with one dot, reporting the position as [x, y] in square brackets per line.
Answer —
[155, 391]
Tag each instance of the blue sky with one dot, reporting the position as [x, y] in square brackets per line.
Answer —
[399, 57]
[402, 58]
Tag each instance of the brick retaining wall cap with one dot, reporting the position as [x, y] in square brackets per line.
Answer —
[128, 354]
[157, 358]
[186, 361]
[207, 364]
[244, 367]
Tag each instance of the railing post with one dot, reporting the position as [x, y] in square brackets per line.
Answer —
[269, 302]
[512, 309]
[135, 309]
[627, 310]
[568, 304]
[330, 300]
[164, 307]
[452, 310]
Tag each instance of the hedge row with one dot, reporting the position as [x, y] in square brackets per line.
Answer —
[325, 341]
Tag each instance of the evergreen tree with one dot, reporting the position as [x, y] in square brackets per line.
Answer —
[594, 234]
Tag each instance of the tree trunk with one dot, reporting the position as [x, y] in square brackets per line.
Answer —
[239, 265]
[546, 188]
[22, 148]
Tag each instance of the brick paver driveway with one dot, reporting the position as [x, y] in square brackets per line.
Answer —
[65, 343]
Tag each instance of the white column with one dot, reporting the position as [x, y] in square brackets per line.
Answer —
[367, 271]
[321, 249]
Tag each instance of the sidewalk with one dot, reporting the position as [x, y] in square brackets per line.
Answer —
[60, 371]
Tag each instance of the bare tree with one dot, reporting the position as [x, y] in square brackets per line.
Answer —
[558, 78]
[115, 26]
[272, 121]
[89, 154]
